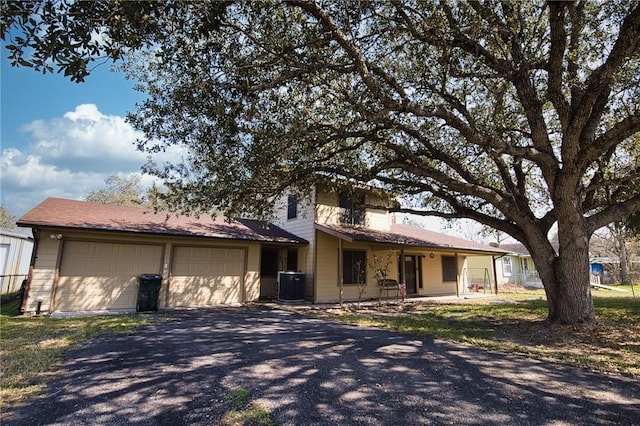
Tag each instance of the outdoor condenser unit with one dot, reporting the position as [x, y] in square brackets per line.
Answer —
[291, 286]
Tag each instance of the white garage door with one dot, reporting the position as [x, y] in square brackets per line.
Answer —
[97, 275]
[202, 276]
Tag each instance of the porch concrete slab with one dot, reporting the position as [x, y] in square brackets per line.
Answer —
[309, 371]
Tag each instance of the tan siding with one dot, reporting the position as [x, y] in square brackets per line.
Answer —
[252, 273]
[432, 276]
[43, 274]
[328, 289]
[378, 219]
[326, 268]
[480, 271]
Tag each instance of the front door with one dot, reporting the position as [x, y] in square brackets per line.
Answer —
[411, 275]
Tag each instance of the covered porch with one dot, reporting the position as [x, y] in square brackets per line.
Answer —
[361, 264]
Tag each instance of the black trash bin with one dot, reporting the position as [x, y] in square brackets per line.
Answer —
[148, 292]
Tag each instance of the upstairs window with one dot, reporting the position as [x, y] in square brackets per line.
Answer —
[292, 206]
[352, 206]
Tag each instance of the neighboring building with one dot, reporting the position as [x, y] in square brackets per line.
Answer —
[88, 255]
[15, 254]
[517, 267]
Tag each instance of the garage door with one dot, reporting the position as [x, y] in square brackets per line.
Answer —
[97, 275]
[202, 276]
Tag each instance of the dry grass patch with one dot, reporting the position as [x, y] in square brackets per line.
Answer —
[33, 347]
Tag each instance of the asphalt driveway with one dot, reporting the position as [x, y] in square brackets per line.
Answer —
[309, 371]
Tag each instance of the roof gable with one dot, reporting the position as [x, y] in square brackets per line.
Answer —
[57, 212]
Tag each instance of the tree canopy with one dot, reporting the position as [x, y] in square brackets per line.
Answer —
[520, 115]
[119, 190]
[7, 220]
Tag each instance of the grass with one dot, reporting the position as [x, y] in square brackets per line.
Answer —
[241, 411]
[31, 348]
[514, 322]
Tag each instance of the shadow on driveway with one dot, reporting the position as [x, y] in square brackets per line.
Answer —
[310, 371]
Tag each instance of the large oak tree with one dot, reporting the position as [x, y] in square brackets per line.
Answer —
[523, 116]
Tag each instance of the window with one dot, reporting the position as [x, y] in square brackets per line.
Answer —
[354, 267]
[292, 259]
[292, 206]
[449, 270]
[269, 262]
[506, 266]
[352, 206]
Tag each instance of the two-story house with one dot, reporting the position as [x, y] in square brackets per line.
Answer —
[87, 256]
[354, 240]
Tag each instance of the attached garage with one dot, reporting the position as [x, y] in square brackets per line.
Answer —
[102, 275]
[87, 256]
[202, 276]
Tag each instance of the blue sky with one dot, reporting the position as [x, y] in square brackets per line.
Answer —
[62, 139]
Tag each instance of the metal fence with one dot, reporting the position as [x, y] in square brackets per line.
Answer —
[477, 280]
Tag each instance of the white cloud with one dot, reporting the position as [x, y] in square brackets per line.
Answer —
[70, 155]
[83, 136]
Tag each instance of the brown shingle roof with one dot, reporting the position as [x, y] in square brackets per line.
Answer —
[108, 217]
[407, 235]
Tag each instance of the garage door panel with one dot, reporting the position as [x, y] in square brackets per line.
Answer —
[95, 293]
[206, 276]
[98, 276]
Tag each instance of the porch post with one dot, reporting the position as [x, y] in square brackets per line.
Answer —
[402, 267]
[340, 270]
[457, 277]
[495, 273]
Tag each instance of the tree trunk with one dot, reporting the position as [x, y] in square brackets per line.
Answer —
[566, 276]
[623, 254]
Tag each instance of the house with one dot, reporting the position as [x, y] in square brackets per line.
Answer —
[15, 253]
[517, 267]
[353, 238]
[88, 256]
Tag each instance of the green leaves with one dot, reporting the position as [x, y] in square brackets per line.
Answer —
[483, 105]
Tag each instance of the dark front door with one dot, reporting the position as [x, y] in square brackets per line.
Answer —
[410, 274]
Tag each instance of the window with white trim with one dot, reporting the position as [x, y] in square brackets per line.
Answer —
[507, 267]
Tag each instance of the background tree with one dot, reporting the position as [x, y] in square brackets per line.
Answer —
[120, 190]
[518, 115]
[7, 220]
